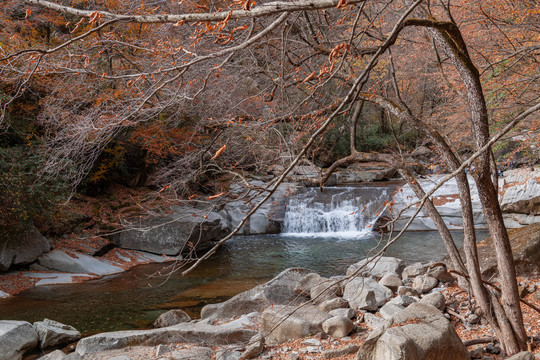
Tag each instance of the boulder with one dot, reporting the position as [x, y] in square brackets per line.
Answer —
[391, 281]
[357, 293]
[73, 262]
[419, 332]
[171, 317]
[303, 287]
[279, 290]
[55, 355]
[267, 219]
[525, 244]
[377, 267]
[228, 354]
[52, 333]
[347, 312]
[338, 326]
[524, 355]
[390, 309]
[179, 232]
[408, 291]
[373, 321]
[413, 270]
[440, 273]
[238, 331]
[324, 291]
[332, 304]
[365, 172]
[435, 299]
[291, 322]
[424, 283]
[16, 338]
[403, 300]
[254, 347]
[20, 248]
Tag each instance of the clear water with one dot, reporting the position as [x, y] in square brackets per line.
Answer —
[134, 299]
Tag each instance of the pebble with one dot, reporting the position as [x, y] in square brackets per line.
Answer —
[312, 342]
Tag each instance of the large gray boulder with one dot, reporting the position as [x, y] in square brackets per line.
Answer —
[377, 267]
[238, 331]
[16, 338]
[279, 290]
[357, 292]
[171, 317]
[179, 232]
[267, 219]
[52, 333]
[419, 332]
[20, 248]
[73, 262]
[282, 323]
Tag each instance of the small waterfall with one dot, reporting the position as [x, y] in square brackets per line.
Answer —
[343, 212]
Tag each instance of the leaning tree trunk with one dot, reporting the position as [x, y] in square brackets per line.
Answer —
[449, 38]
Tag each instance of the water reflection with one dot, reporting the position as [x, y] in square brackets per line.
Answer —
[135, 298]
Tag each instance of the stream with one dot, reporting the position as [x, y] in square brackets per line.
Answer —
[324, 232]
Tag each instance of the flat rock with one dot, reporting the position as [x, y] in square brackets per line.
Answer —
[53, 333]
[377, 267]
[237, 331]
[291, 322]
[194, 353]
[73, 262]
[339, 353]
[16, 338]
[403, 300]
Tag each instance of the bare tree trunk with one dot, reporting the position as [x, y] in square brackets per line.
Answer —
[354, 123]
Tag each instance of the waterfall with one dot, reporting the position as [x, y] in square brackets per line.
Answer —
[342, 212]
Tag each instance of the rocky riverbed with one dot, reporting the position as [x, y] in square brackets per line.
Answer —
[380, 309]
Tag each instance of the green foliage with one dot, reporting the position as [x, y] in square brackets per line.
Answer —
[373, 138]
[24, 196]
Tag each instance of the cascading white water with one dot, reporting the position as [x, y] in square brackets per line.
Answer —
[342, 212]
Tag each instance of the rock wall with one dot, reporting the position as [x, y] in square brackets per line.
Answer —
[519, 195]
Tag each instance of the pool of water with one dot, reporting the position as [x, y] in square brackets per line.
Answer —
[134, 299]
